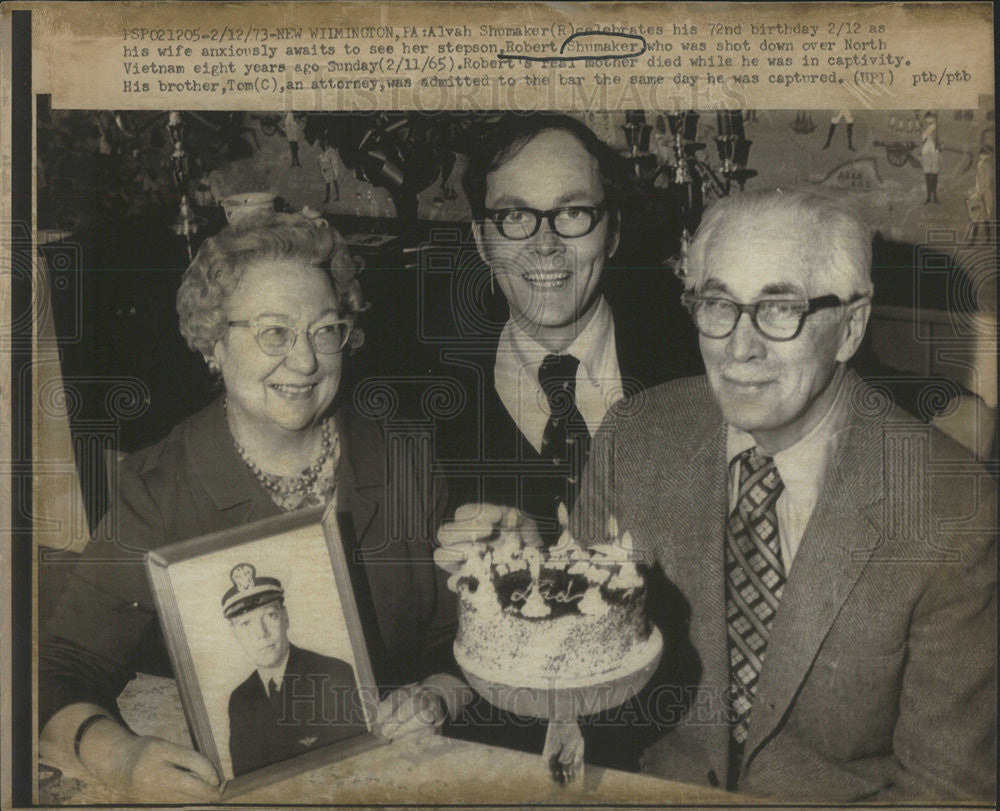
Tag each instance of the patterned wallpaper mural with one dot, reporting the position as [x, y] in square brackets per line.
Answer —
[911, 169]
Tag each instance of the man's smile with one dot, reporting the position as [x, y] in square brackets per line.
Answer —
[744, 381]
[547, 280]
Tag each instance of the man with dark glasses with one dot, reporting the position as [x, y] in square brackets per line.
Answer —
[544, 193]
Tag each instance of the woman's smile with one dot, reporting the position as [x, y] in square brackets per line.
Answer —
[273, 395]
[294, 391]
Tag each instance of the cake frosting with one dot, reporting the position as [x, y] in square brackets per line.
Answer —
[563, 616]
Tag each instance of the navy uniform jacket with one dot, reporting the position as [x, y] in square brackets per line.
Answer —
[316, 706]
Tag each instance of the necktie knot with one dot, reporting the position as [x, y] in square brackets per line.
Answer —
[557, 377]
[760, 482]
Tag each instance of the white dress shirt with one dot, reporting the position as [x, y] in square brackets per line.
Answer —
[802, 468]
[598, 378]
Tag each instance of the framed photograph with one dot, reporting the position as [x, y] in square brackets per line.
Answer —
[268, 646]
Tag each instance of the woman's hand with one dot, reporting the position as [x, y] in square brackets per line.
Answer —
[157, 770]
[413, 709]
[141, 769]
[479, 523]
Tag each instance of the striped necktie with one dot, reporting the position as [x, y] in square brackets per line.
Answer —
[755, 578]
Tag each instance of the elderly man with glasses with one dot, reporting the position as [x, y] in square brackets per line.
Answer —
[834, 558]
[844, 613]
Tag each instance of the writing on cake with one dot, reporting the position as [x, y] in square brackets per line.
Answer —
[547, 617]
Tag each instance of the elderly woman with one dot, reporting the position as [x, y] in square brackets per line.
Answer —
[270, 303]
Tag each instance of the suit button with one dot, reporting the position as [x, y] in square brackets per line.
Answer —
[713, 778]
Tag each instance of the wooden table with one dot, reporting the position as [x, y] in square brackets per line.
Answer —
[418, 770]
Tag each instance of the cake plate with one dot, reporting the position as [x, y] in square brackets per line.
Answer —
[566, 699]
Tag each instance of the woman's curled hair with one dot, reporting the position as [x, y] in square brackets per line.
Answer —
[218, 267]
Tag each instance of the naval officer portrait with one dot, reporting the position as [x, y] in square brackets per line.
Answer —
[295, 700]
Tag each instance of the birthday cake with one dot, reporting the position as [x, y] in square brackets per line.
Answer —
[567, 616]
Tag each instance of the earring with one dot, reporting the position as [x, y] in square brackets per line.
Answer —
[493, 291]
[213, 366]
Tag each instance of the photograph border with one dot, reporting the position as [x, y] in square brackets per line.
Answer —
[19, 603]
[158, 563]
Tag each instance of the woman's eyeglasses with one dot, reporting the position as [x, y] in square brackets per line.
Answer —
[278, 339]
[568, 222]
[777, 319]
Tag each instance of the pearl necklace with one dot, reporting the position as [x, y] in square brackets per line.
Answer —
[285, 486]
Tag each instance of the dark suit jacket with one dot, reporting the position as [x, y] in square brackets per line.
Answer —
[880, 675]
[313, 709]
[194, 482]
[484, 453]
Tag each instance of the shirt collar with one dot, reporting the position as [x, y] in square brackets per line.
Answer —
[594, 347]
[277, 674]
[599, 382]
[801, 466]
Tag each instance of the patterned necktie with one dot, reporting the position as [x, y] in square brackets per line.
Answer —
[566, 436]
[755, 578]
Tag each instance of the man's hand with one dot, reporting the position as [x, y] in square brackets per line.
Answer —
[563, 752]
[410, 710]
[478, 524]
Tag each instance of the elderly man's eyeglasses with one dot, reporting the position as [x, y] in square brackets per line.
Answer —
[776, 319]
[569, 221]
[278, 339]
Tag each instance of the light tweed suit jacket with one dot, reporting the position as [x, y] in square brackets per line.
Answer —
[880, 675]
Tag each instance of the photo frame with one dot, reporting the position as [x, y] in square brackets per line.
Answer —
[272, 598]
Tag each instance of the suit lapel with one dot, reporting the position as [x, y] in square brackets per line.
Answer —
[834, 550]
[641, 361]
[630, 361]
[383, 579]
[357, 482]
[223, 474]
[502, 436]
[694, 504]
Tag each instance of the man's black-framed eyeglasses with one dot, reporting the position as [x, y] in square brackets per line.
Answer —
[278, 339]
[568, 222]
[776, 319]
